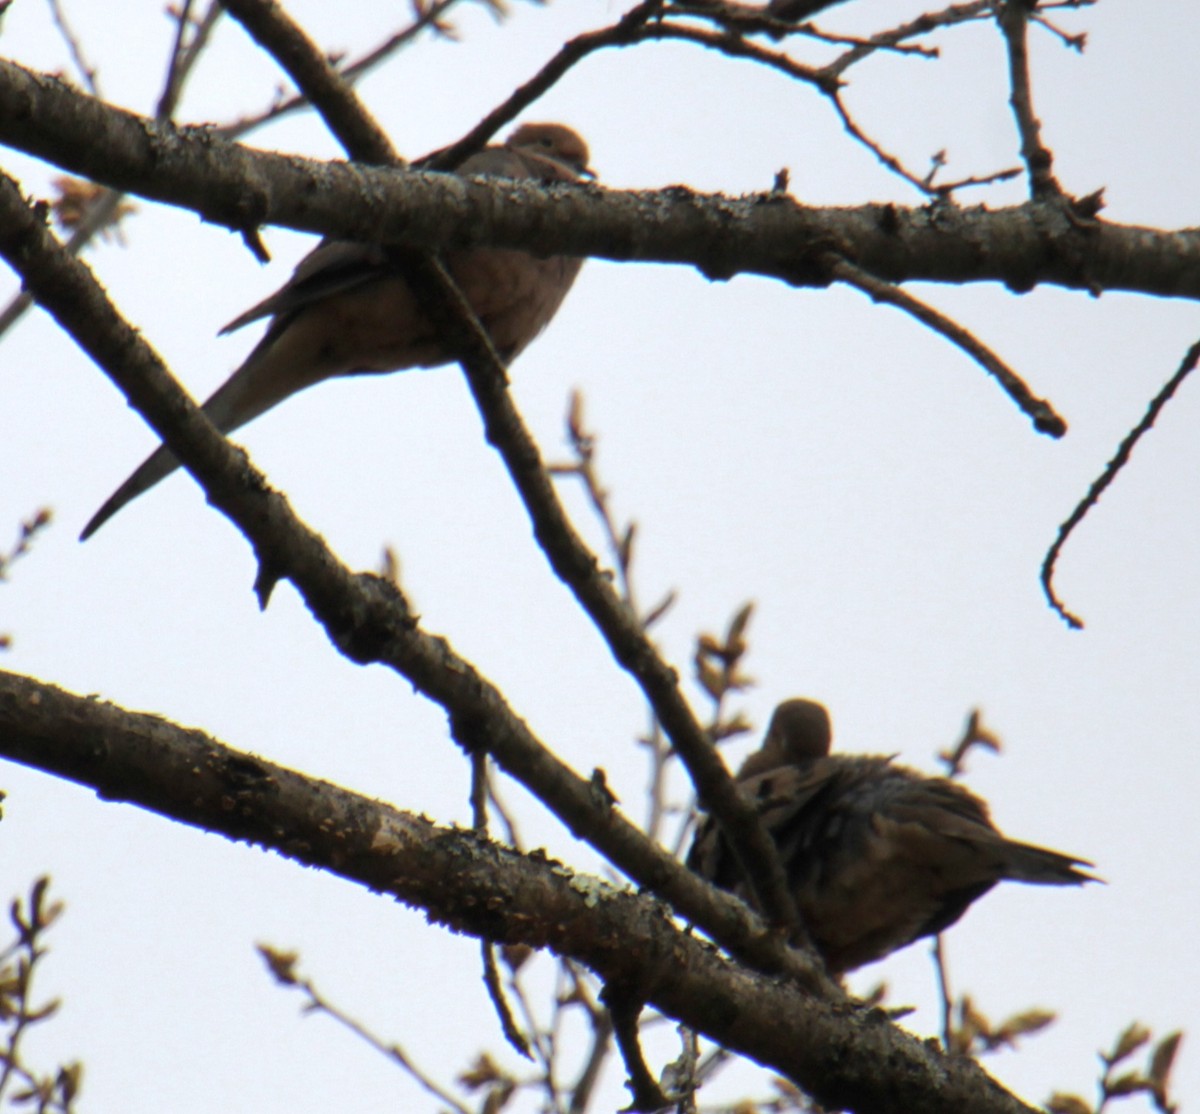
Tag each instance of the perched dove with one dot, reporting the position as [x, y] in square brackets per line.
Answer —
[346, 311]
[877, 855]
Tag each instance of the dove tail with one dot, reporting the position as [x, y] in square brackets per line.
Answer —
[242, 397]
[1026, 863]
[160, 464]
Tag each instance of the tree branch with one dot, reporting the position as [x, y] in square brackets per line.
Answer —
[1111, 470]
[846, 1057]
[326, 89]
[1013, 18]
[1042, 413]
[768, 234]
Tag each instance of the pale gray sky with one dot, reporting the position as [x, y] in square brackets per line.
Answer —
[872, 490]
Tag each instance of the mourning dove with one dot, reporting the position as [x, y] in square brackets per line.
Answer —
[876, 855]
[347, 310]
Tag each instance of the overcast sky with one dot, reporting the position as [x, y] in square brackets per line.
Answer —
[872, 490]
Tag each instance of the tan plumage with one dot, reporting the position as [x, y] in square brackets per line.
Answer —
[346, 311]
[877, 855]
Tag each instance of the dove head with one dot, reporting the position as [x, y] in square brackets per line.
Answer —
[799, 729]
[555, 142]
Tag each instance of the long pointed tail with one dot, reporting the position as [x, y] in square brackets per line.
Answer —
[1026, 863]
[160, 464]
[256, 386]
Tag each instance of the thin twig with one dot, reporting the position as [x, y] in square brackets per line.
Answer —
[185, 53]
[975, 734]
[479, 791]
[1114, 466]
[619, 542]
[601, 1046]
[107, 205]
[86, 70]
[480, 795]
[733, 46]
[622, 33]
[660, 755]
[30, 528]
[1013, 19]
[182, 15]
[32, 920]
[625, 1008]
[943, 982]
[326, 89]
[282, 967]
[511, 835]
[351, 73]
[491, 980]
[1077, 42]
[1043, 415]
[542, 1041]
[892, 162]
[922, 25]
[750, 19]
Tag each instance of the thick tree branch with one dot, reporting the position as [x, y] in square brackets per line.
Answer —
[847, 1057]
[766, 234]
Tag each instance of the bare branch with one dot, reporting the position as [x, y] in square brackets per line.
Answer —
[945, 999]
[767, 234]
[622, 33]
[86, 70]
[282, 967]
[1043, 415]
[892, 162]
[847, 1058]
[647, 1096]
[185, 53]
[922, 25]
[108, 205]
[322, 85]
[30, 528]
[431, 16]
[1111, 470]
[508, 1023]
[750, 19]
[1013, 19]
